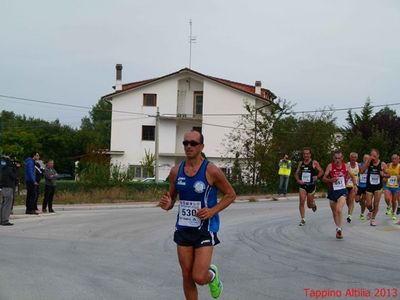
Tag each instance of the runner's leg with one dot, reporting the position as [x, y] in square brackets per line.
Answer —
[302, 200]
[311, 200]
[394, 202]
[388, 199]
[362, 204]
[377, 199]
[350, 202]
[186, 257]
[368, 200]
[337, 210]
[201, 267]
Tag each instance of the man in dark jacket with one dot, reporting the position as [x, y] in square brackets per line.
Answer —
[31, 183]
[8, 179]
[39, 170]
[50, 175]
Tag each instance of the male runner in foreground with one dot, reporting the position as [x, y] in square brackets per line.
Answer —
[306, 175]
[197, 182]
[336, 175]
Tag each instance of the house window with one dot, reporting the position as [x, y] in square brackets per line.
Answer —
[137, 171]
[226, 171]
[149, 99]
[148, 133]
[197, 128]
[198, 103]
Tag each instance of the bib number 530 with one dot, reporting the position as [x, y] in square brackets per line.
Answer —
[187, 213]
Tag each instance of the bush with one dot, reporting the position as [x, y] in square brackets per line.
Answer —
[247, 189]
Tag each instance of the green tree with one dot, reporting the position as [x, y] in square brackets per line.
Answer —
[368, 130]
[252, 139]
[236, 176]
[98, 125]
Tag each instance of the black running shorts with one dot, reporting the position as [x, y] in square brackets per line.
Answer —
[309, 188]
[374, 188]
[195, 238]
[361, 191]
[335, 195]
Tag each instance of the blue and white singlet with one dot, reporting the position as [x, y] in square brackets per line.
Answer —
[195, 193]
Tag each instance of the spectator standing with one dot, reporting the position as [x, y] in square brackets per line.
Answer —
[50, 176]
[8, 177]
[39, 170]
[285, 168]
[31, 183]
[17, 166]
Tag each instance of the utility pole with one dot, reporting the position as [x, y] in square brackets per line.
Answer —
[192, 40]
[156, 150]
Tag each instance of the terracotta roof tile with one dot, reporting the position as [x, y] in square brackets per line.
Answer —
[246, 88]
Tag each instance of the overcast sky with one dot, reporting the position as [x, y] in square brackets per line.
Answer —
[313, 53]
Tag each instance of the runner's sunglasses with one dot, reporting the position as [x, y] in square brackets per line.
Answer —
[191, 143]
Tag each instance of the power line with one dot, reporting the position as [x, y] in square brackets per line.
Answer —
[69, 105]
[209, 114]
[344, 109]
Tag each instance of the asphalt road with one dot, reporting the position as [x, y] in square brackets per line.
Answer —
[128, 253]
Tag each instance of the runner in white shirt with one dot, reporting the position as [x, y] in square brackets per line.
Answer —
[352, 167]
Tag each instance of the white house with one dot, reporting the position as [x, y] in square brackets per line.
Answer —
[186, 100]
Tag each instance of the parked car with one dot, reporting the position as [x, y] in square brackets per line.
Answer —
[65, 176]
[152, 180]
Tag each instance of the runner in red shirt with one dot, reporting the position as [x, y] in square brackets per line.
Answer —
[336, 175]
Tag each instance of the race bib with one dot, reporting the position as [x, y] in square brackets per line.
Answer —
[306, 177]
[349, 183]
[392, 181]
[363, 178]
[375, 179]
[339, 184]
[187, 213]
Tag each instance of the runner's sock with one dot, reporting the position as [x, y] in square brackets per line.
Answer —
[213, 275]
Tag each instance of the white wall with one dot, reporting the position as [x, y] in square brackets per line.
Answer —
[126, 129]
[220, 100]
[186, 88]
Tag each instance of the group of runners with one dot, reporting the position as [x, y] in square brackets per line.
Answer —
[349, 183]
[197, 182]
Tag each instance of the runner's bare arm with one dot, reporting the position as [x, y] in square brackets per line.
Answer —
[319, 169]
[217, 178]
[167, 201]
[296, 175]
[365, 166]
[384, 172]
[326, 177]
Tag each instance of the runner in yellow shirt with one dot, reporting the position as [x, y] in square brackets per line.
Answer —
[391, 187]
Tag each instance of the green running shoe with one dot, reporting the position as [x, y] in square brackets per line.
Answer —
[394, 218]
[362, 217]
[215, 285]
[389, 211]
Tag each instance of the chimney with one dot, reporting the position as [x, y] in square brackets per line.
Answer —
[118, 83]
[258, 87]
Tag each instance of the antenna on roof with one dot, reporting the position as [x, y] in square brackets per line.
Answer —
[192, 40]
